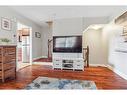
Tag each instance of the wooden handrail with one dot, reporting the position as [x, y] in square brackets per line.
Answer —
[86, 55]
[49, 43]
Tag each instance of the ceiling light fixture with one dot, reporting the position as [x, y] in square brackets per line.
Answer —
[96, 27]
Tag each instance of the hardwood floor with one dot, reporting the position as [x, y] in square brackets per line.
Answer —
[103, 77]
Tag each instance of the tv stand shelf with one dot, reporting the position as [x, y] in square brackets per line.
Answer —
[68, 63]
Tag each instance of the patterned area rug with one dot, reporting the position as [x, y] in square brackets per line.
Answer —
[55, 83]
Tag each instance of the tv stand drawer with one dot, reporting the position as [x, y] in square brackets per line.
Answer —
[78, 65]
[57, 64]
[78, 61]
[66, 63]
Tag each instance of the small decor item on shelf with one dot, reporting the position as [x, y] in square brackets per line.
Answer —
[4, 41]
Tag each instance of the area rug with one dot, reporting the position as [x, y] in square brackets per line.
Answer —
[43, 83]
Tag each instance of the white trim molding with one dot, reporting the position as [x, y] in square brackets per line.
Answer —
[44, 56]
[96, 65]
[40, 57]
[43, 63]
[117, 72]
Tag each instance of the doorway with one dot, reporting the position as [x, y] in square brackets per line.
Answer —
[47, 48]
[23, 45]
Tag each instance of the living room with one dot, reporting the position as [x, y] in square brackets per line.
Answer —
[80, 50]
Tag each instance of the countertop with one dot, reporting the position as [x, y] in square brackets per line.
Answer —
[8, 45]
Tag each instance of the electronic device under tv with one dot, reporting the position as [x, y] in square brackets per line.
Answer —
[67, 44]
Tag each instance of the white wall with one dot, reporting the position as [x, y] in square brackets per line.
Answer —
[94, 20]
[93, 39]
[8, 34]
[116, 60]
[75, 26]
[7, 13]
[46, 34]
[68, 27]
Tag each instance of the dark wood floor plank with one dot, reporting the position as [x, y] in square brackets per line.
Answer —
[102, 76]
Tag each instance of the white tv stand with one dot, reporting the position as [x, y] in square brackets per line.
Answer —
[68, 61]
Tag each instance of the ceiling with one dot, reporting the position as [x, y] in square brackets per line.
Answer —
[41, 14]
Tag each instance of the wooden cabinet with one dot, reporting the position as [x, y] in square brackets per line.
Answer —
[7, 62]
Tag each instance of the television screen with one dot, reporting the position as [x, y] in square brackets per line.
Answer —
[67, 44]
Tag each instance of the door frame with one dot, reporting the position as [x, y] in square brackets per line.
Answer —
[31, 45]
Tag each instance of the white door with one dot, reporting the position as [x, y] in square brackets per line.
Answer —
[25, 49]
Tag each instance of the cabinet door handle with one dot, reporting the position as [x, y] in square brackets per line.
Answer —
[57, 64]
[78, 65]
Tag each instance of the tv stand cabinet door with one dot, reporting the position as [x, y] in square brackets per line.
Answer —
[57, 63]
[78, 64]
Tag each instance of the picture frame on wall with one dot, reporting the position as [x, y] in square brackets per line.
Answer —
[37, 35]
[6, 24]
[124, 30]
[125, 34]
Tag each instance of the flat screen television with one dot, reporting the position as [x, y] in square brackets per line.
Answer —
[67, 44]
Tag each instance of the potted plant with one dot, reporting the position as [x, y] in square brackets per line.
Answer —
[4, 41]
